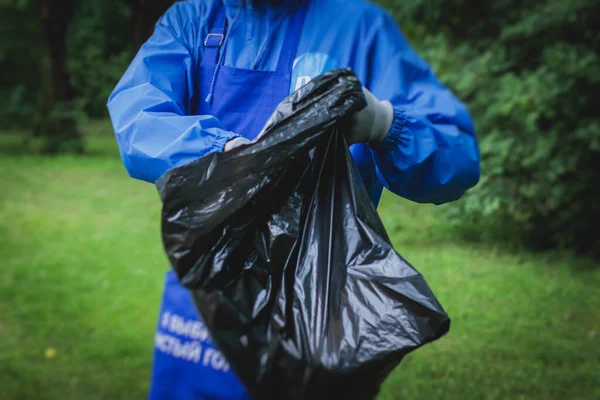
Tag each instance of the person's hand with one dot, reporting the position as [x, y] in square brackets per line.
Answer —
[371, 124]
[237, 142]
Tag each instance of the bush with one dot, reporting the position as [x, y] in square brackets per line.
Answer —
[530, 73]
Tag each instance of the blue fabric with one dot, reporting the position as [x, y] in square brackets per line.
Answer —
[161, 121]
[430, 155]
[186, 364]
[244, 99]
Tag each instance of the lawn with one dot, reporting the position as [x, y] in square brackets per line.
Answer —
[81, 279]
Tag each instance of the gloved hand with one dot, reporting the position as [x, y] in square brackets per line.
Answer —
[237, 142]
[371, 124]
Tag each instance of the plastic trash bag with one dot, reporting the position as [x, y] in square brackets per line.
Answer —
[287, 260]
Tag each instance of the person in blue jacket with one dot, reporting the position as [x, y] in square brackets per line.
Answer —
[209, 78]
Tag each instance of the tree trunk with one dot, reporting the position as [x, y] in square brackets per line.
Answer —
[59, 129]
[138, 34]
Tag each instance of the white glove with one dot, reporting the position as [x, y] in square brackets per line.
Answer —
[371, 124]
[237, 142]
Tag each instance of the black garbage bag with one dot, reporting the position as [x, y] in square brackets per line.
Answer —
[287, 260]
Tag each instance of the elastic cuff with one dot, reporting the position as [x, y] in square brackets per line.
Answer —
[393, 138]
[221, 140]
[384, 118]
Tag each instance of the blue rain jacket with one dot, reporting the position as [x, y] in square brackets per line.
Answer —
[430, 154]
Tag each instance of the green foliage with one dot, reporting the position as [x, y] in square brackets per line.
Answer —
[21, 61]
[99, 52]
[530, 73]
[100, 46]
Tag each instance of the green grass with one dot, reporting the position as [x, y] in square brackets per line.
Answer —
[82, 269]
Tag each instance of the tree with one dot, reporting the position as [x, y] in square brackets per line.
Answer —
[20, 49]
[103, 37]
[144, 14]
[61, 59]
[59, 126]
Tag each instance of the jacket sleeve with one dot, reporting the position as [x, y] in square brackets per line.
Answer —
[150, 106]
[431, 153]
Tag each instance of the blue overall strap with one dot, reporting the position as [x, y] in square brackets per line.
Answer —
[214, 39]
[292, 39]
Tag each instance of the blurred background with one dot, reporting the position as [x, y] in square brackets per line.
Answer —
[514, 262]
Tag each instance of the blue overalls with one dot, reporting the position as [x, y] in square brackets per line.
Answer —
[187, 366]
